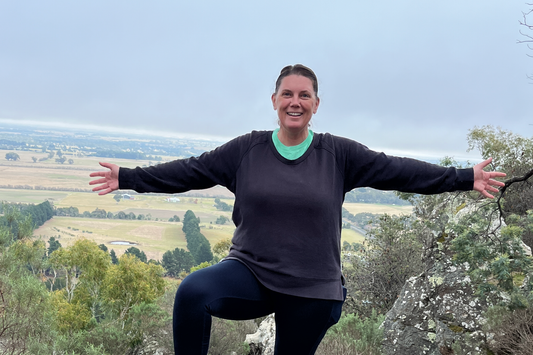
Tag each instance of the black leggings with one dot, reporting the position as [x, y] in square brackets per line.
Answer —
[230, 290]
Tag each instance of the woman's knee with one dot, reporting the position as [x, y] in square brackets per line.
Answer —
[193, 289]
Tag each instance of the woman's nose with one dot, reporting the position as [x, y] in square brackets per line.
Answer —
[295, 101]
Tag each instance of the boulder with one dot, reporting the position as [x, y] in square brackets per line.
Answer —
[436, 312]
[262, 341]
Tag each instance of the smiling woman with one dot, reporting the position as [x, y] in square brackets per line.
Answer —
[287, 214]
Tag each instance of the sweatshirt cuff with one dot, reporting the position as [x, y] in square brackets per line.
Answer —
[126, 179]
[465, 179]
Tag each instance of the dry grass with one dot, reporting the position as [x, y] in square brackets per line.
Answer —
[154, 238]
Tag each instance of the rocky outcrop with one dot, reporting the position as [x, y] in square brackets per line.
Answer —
[262, 342]
[436, 312]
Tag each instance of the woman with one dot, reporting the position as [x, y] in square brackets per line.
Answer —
[289, 187]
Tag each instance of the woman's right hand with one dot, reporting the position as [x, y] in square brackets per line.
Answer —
[109, 181]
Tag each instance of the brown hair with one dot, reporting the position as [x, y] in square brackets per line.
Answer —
[298, 69]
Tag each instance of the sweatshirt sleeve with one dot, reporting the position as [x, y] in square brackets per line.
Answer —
[217, 167]
[366, 168]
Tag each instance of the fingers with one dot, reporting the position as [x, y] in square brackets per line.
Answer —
[496, 183]
[106, 165]
[486, 194]
[99, 181]
[105, 192]
[484, 163]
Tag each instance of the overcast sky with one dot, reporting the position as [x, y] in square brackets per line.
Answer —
[408, 77]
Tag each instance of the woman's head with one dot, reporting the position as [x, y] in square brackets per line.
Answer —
[297, 69]
[295, 101]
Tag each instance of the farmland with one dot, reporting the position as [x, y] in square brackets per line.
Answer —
[29, 180]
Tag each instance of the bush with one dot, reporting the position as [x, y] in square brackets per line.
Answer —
[513, 330]
[353, 335]
[227, 336]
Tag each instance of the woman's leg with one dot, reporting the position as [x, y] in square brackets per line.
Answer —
[301, 323]
[226, 290]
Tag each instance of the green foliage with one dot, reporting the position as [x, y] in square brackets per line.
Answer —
[201, 266]
[222, 206]
[511, 154]
[113, 255]
[512, 330]
[354, 335]
[228, 336]
[25, 308]
[221, 220]
[391, 254]
[197, 243]
[369, 195]
[177, 261]
[12, 156]
[494, 259]
[53, 245]
[361, 219]
[190, 223]
[175, 218]
[68, 211]
[129, 283]
[137, 253]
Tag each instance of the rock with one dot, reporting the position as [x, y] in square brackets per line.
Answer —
[436, 312]
[263, 340]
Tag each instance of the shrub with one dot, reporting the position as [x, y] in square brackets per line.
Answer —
[354, 335]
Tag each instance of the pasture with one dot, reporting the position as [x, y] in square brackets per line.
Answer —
[154, 236]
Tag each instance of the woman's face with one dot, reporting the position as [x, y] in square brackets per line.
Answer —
[295, 102]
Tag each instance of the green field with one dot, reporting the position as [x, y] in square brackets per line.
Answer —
[154, 236]
[31, 196]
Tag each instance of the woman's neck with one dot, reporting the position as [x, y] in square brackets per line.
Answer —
[292, 138]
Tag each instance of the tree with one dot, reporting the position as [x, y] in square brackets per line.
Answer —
[61, 160]
[527, 31]
[203, 253]
[71, 161]
[511, 154]
[25, 309]
[223, 206]
[175, 218]
[177, 261]
[190, 223]
[84, 265]
[117, 197]
[221, 249]
[137, 253]
[113, 255]
[391, 255]
[221, 220]
[130, 283]
[34, 159]
[53, 245]
[12, 156]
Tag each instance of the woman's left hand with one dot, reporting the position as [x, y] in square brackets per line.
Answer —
[484, 180]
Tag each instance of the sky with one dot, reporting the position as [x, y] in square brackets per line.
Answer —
[407, 77]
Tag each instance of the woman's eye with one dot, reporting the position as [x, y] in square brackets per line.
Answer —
[307, 96]
[286, 94]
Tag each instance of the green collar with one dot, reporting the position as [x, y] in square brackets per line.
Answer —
[292, 152]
